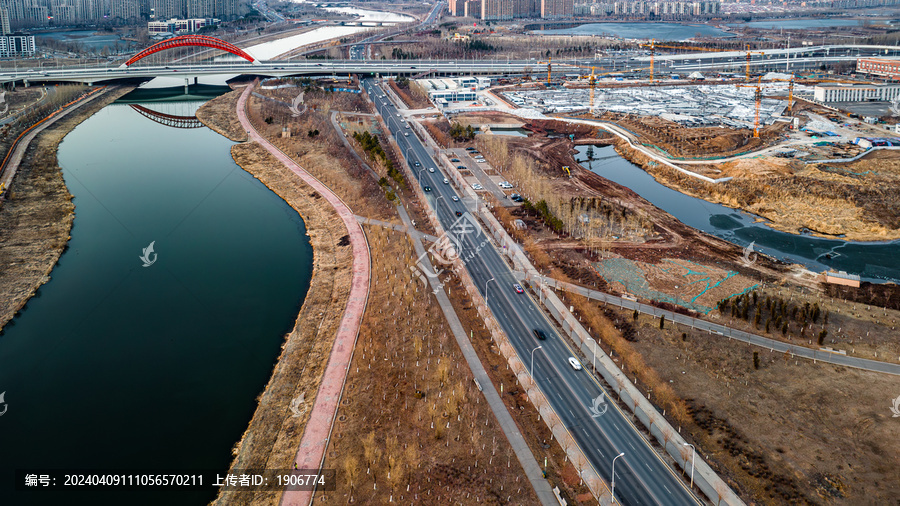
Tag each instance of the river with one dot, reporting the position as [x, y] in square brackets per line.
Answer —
[876, 261]
[118, 365]
[367, 18]
[659, 31]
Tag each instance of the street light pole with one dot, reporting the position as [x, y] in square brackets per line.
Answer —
[532, 360]
[485, 290]
[693, 450]
[613, 493]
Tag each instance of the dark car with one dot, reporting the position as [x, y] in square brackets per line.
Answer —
[518, 289]
[470, 148]
[538, 333]
[458, 213]
[454, 160]
[427, 188]
[461, 167]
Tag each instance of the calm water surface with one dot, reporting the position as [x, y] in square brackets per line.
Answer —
[120, 366]
[872, 261]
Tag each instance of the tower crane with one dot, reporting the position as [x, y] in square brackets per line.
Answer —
[652, 46]
[549, 68]
[758, 96]
[748, 60]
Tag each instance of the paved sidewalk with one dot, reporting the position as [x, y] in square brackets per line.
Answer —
[399, 228]
[510, 429]
[311, 452]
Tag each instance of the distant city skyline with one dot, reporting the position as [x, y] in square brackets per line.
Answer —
[40, 13]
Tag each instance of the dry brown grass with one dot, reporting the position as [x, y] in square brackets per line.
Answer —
[218, 115]
[790, 432]
[795, 197]
[322, 155]
[274, 433]
[412, 427]
[36, 219]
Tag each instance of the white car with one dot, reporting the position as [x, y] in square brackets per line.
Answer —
[446, 181]
[454, 198]
[575, 363]
[504, 184]
[480, 160]
[477, 186]
[430, 169]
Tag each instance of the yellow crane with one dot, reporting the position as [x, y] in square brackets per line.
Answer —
[593, 84]
[758, 97]
[748, 60]
[652, 46]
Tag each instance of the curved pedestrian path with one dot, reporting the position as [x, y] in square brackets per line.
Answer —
[820, 355]
[311, 452]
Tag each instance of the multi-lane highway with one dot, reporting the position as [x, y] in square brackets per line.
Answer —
[272, 69]
[642, 477]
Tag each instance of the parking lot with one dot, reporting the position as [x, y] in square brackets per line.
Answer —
[480, 176]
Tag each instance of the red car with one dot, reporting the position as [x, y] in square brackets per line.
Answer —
[518, 289]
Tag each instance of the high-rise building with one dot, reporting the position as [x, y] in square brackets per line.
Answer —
[497, 10]
[128, 11]
[166, 9]
[4, 21]
[557, 8]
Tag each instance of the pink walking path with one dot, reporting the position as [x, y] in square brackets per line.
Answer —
[311, 452]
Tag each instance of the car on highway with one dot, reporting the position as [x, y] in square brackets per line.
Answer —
[406, 134]
[477, 186]
[518, 289]
[398, 114]
[458, 213]
[575, 363]
[454, 198]
[538, 333]
[446, 181]
[431, 169]
[417, 164]
[426, 188]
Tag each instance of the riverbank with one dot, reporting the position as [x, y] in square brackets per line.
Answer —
[810, 199]
[273, 435]
[37, 218]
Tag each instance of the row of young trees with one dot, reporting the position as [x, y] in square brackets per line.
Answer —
[372, 147]
[594, 219]
[778, 314]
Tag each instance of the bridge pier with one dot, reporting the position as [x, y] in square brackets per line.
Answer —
[187, 82]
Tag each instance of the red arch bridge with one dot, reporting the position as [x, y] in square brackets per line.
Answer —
[169, 120]
[188, 41]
